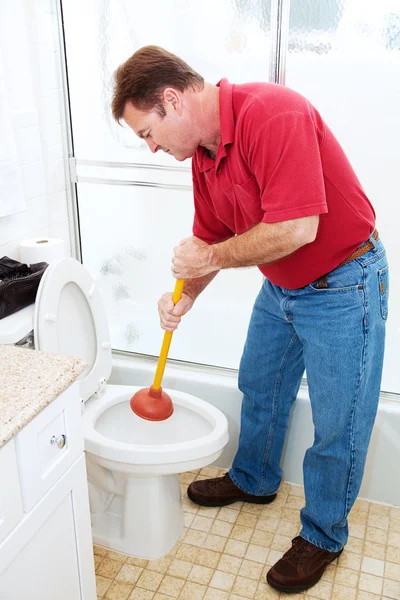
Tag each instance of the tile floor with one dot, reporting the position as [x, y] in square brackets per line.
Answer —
[225, 553]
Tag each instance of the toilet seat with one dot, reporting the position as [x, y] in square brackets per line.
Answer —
[70, 319]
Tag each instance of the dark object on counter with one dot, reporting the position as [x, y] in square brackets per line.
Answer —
[18, 284]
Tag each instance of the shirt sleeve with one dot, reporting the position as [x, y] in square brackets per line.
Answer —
[285, 158]
[206, 225]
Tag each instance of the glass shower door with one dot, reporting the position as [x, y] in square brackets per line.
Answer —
[134, 207]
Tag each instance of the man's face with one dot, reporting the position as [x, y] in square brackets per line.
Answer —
[172, 133]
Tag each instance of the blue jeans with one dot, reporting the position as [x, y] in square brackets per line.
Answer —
[337, 334]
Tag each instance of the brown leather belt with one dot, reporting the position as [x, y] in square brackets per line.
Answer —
[360, 251]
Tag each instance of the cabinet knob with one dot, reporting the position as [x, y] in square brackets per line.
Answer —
[60, 440]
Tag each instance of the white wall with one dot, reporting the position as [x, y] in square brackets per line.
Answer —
[31, 66]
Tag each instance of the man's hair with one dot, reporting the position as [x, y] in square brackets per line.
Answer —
[143, 78]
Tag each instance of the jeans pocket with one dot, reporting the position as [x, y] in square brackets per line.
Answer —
[383, 280]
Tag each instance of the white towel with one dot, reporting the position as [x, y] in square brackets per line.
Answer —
[11, 193]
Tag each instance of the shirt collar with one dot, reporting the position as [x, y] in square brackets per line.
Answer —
[227, 127]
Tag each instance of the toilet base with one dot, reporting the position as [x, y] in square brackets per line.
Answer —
[145, 521]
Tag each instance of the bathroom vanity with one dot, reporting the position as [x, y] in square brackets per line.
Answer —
[45, 533]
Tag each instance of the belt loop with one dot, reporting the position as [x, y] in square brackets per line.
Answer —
[373, 240]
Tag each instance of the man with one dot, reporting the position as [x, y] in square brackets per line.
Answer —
[273, 188]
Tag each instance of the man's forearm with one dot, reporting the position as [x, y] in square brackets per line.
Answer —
[264, 243]
[194, 287]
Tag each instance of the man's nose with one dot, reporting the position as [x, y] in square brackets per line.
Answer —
[152, 145]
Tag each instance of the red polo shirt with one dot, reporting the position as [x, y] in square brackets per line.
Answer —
[277, 160]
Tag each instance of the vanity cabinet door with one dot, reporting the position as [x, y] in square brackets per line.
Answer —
[49, 554]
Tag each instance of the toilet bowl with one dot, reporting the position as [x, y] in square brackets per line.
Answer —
[132, 464]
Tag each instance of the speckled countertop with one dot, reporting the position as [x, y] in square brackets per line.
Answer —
[29, 381]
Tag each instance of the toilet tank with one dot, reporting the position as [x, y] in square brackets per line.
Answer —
[17, 329]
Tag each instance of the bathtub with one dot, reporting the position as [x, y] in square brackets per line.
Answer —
[381, 481]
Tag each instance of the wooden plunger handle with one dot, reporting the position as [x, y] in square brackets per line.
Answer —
[176, 296]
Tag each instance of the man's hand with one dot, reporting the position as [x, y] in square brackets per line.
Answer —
[192, 258]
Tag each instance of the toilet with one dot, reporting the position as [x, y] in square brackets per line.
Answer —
[132, 464]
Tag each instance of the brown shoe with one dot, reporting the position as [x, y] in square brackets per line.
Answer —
[221, 491]
[300, 567]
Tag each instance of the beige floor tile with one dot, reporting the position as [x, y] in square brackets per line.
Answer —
[241, 533]
[227, 514]
[102, 584]
[392, 571]
[393, 554]
[236, 548]
[257, 553]
[225, 554]
[150, 580]
[370, 583]
[187, 552]
[291, 514]
[378, 521]
[373, 566]
[391, 589]
[281, 542]
[100, 550]
[118, 591]
[394, 539]
[247, 519]
[171, 586]
[262, 538]
[376, 535]
[251, 570]
[379, 509]
[141, 594]
[209, 471]
[266, 592]
[274, 556]
[287, 528]
[254, 509]
[138, 562]
[221, 528]
[374, 550]
[187, 477]
[394, 525]
[201, 523]
[229, 564]
[346, 577]
[349, 560]
[215, 542]
[188, 519]
[213, 594]
[160, 565]
[321, 590]
[195, 538]
[294, 502]
[357, 531]
[180, 568]
[330, 572]
[193, 591]
[342, 592]
[245, 587]
[208, 511]
[354, 545]
[207, 558]
[222, 581]
[270, 525]
[199, 574]
[109, 568]
[117, 556]
[129, 574]
[361, 595]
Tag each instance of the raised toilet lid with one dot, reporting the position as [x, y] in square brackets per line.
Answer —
[70, 319]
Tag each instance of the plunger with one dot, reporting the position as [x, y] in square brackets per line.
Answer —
[152, 403]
